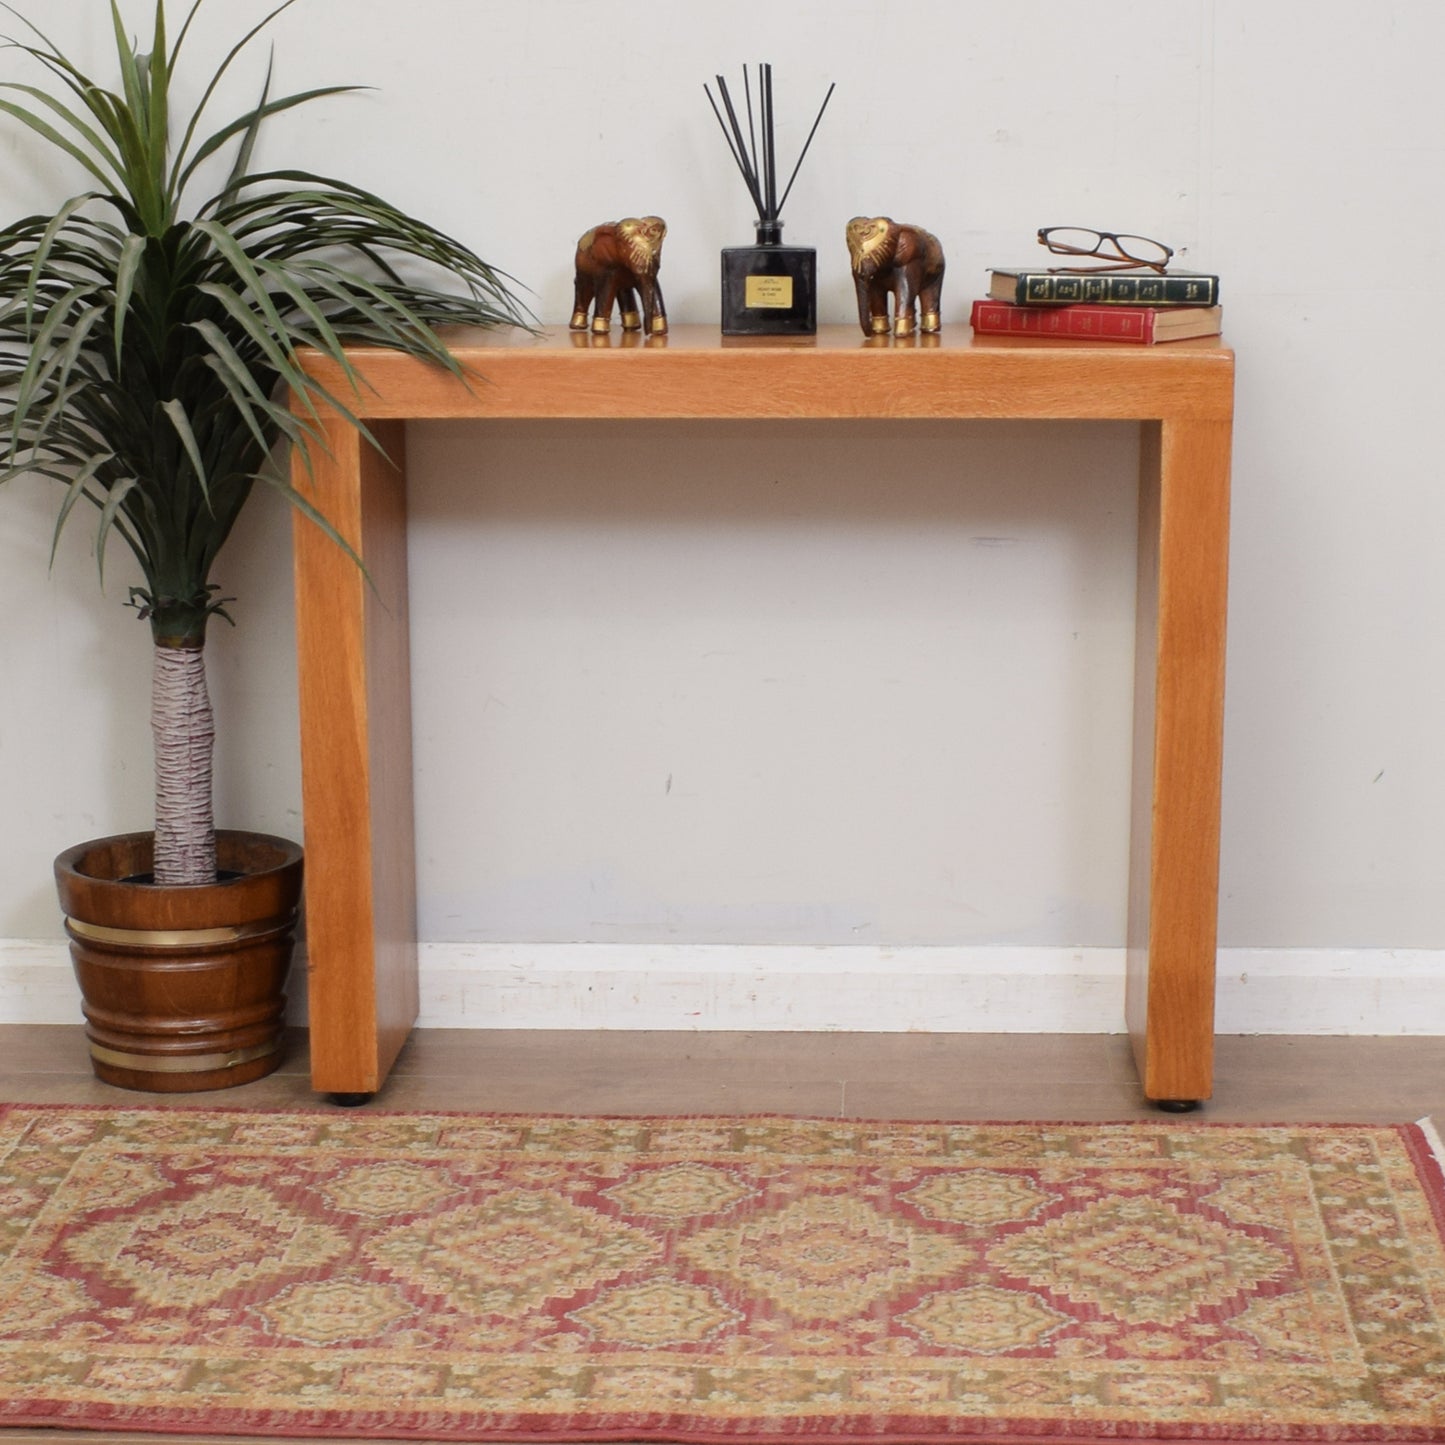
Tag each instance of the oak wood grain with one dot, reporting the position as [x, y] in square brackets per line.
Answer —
[695, 372]
[356, 783]
[352, 629]
[1178, 754]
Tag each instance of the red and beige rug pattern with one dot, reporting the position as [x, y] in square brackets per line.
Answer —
[499, 1278]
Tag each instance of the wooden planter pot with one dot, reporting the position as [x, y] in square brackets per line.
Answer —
[183, 988]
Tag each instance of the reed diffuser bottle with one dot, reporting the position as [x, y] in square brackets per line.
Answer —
[768, 289]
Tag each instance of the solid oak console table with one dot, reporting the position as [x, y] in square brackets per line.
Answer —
[352, 629]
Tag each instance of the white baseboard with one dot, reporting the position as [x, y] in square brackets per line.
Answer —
[772, 988]
[37, 985]
[891, 990]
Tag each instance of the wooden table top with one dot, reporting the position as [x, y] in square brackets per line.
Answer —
[694, 371]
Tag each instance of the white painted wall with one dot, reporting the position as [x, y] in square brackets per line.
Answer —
[804, 686]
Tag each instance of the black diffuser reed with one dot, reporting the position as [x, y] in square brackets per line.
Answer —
[767, 288]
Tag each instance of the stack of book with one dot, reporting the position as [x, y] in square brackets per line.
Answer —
[1136, 305]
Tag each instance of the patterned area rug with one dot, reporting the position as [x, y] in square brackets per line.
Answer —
[450, 1277]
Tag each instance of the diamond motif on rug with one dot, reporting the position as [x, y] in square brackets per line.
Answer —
[194, 1252]
[326, 1312]
[1142, 1260]
[679, 1191]
[514, 1253]
[395, 1187]
[829, 1256]
[984, 1320]
[658, 1312]
[979, 1198]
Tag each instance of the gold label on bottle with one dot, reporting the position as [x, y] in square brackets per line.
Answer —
[768, 292]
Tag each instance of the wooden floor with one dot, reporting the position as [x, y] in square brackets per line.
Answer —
[1279, 1079]
[904, 1076]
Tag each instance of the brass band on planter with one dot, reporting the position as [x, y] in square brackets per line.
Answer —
[171, 938]
[181, 1063]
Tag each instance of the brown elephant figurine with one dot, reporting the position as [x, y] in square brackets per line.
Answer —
[907, 262]
[618, 262]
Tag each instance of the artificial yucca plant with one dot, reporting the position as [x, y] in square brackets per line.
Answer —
[148, 341]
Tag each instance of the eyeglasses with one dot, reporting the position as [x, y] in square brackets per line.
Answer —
[1112, 251]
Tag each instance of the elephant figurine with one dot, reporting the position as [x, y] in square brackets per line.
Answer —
[618, 262]
[907, 262]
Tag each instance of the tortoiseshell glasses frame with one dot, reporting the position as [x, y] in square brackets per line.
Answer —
[1109, 250]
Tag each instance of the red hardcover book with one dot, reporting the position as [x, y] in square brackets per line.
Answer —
[1140, 324]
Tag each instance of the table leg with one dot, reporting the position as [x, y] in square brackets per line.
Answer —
[353, 658]
[354, 672]
[1178, 746]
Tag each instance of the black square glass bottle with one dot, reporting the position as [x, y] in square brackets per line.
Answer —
[769, 289]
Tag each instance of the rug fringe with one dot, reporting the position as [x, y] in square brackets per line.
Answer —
[1433, 1141]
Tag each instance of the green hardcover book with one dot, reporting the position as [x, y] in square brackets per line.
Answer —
[1028, 286]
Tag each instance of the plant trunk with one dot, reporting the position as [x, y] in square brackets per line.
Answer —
[184, 730]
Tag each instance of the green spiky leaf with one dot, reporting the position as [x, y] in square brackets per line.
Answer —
[148, 344]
